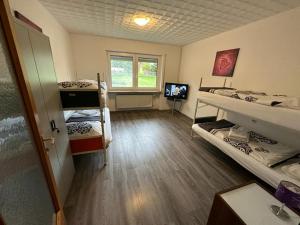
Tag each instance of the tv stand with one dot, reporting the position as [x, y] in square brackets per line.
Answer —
[174, 104]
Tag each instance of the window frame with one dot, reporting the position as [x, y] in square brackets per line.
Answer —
[135, 87]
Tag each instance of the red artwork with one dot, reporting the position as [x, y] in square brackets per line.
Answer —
[225, 62]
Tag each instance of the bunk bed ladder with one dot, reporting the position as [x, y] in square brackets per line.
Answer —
[197, 106]
[102, 118]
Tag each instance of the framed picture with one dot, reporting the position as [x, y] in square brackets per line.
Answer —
[225, 62]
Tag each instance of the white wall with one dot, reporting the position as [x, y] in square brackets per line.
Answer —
[268, 59]
[59, 37]
[90, 58]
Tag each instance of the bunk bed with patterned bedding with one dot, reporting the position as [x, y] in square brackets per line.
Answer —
[83, 94]
[87, 115]
[267, 158]
[84, 130]
[279, 110]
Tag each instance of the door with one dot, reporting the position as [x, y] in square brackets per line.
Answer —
[45, 67]
[42, 80]
[37, 95]
[24, 194]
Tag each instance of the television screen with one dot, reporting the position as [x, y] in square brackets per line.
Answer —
[174, 90]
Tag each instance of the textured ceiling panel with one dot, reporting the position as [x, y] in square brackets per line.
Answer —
[176, 22]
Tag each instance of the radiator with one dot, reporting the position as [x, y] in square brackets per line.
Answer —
[134, 101]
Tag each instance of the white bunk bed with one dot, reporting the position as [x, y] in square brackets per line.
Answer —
[272, 176]
[287, 119]
[81, 96]
[279, 116]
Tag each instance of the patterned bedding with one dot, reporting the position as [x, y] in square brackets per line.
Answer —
[82, 130]
[260, 98]
[82, 115]
[267, 151]
[81, 84]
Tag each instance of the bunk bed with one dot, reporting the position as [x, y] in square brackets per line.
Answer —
[84, 129]
[277, 116]
[87, 115]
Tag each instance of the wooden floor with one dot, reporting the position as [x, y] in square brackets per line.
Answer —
[156, 175]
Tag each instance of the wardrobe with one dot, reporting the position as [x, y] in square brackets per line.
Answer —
[36, 58]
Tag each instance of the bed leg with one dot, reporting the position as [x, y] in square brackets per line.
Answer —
[105, 157]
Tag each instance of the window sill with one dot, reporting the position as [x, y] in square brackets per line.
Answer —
[133, 92]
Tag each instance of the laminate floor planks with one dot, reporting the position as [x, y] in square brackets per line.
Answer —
[156, 175]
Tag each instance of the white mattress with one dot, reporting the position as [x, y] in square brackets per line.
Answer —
[107, 126]
[269, 175]
[284, 117]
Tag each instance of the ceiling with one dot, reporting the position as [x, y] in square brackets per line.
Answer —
[177, 22]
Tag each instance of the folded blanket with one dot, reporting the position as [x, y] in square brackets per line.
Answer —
[83, 119]
[84, 115]
[239, 134]
[88, 112]
[208, 126]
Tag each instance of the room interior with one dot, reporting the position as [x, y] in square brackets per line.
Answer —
[149, 112]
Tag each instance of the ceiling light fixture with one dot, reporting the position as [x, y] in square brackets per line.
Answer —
[141, 20]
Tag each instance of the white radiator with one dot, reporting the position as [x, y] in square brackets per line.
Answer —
[134, 101]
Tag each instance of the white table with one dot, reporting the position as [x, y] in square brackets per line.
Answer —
[252, 204]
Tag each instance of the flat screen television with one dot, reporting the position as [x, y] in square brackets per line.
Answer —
[176, 90]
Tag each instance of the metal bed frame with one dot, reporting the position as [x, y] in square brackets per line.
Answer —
[205, 104]
[102, 120]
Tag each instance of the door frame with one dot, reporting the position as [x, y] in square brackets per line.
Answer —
[30, 110]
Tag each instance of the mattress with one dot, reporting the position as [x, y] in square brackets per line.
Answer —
[87, 136]
[272, 176]
[279, 116]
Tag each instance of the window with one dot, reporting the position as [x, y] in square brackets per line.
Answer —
[121, 71]
[134, 72]
[147, 72]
